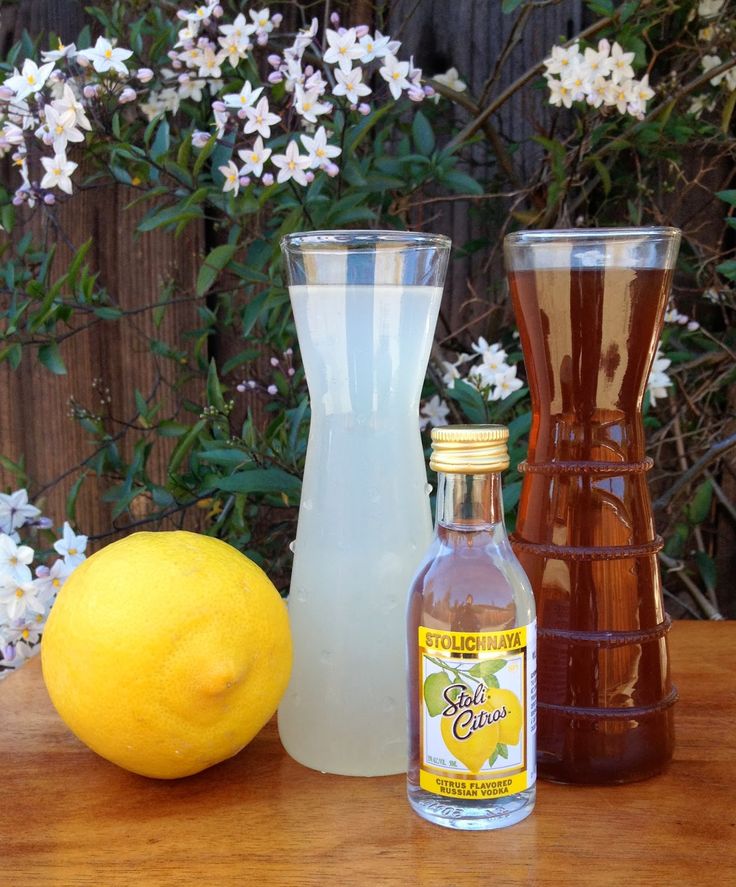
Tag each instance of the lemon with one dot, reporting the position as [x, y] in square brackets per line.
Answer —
[509, 726]
[167, 652]
[476, 746]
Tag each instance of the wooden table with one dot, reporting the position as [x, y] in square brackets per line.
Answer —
[69, 818]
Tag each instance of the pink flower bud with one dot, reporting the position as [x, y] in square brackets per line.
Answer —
[42, 571]
[277, 19]
[335, 19]
[218, 12]
[361, 31]
[332, 169]
[90, 91]
[290, 371]
[18, 199]
[288, 352]
[252, 384]
[240, 387]
[128, 95]
[342, 31]
[429, 91]
[274, 361]
[242, 113]
[275, 77]
[57, 76]
[364, 109]
[267, 179]
[416, 94]
[6, 94]
[308, 71]
[181, 14]
[49, 199]
[173, 55]
[219, 106]
[262, 39]
[200, 138]
[144, 75]
[82, 61]
[204, 43]
[244, 181]
[272, 389]
[183, 78]
[309, 176]
[274, 59]
[176, 65]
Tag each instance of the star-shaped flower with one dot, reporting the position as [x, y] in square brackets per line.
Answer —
[105, 57]
[291, 165]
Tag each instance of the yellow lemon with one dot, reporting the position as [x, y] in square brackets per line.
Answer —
[509, 726]
[471, 746]
[167, 652]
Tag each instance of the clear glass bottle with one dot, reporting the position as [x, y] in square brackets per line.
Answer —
[471, 634]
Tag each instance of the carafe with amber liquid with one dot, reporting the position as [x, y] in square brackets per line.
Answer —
[471, 648]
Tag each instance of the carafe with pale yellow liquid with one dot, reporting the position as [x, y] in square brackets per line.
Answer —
[365, 305]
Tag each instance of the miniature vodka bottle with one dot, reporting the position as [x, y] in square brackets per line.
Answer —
[471, 648]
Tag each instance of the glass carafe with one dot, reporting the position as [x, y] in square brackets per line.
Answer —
[365, 305]
[590, 306]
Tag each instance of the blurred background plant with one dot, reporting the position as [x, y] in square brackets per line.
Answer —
[219, 128]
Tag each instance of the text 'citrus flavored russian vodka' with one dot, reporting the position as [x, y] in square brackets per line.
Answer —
[472, 648]
[365, 306]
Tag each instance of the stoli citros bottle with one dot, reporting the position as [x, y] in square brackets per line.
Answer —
[471, 648]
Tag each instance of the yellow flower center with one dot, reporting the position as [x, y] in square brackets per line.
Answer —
[72, 551]
[396, 75]
[320, 152]
[59, 129]
[25, 634]
[307, 106]
[292, 165]
[31, 78]
[108, 53]
[254, 158]
[56, 583]
[57, 172]
[19, 592]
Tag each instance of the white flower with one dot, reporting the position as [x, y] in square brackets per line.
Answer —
[239, 30]
[243, 99]
[71, 546]
[434, 412]
[105, 58]
[710, 8]
[351, 85]
[48, 581]
[597, 62]
[263, 23]
[320, 153]
[621, 64]
[58, 172]
[482, 347]
[20, 598]
[451, 79]
[14, 560]
[69, 102]
[641, 92]
[62, 128]
[395, 73]
[343, 48]
[374, 47]
[562, 58]
[191, 89]
[260, 119]
[307, 104]
[61, 52]
[210, 62]
[577, 82]
[505, 383]
[597, 91]
[232, 178]
[302, 40]
[202, 14]
[620, 93]
[30, 79]
[15, 511]
[254, 158]
[658, 381]
[291, 165]
[233, 50]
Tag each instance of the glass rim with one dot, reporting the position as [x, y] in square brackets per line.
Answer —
[361, 239]
[582, 235]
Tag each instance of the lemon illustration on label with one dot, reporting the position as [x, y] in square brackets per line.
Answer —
[509, 727]
[472, 747]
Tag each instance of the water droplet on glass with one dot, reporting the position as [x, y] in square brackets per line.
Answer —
[307, 505]
[292, 546]
[300, 595]
[428, 489]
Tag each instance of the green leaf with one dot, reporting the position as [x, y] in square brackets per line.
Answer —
[71, 499]
[169, 428]
[434, 688]
[503, 750]
[230, 458]
[259, 480]
[214, 388]
[728, 196]
[727, 269]
[422, 134]
[185, 444]
[50, 357]
[707, 569]
[699, 506]
[461, 183]
[486, 669]
[215, 261]
[510, 6]
[511, 494]
[162, 141]
[605, 175]
[470, 400]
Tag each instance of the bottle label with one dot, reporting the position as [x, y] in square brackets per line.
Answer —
[478, 712]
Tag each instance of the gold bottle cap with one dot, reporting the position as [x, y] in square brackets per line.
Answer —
[469, 449]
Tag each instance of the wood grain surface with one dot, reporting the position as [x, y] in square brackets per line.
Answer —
[70, 818]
